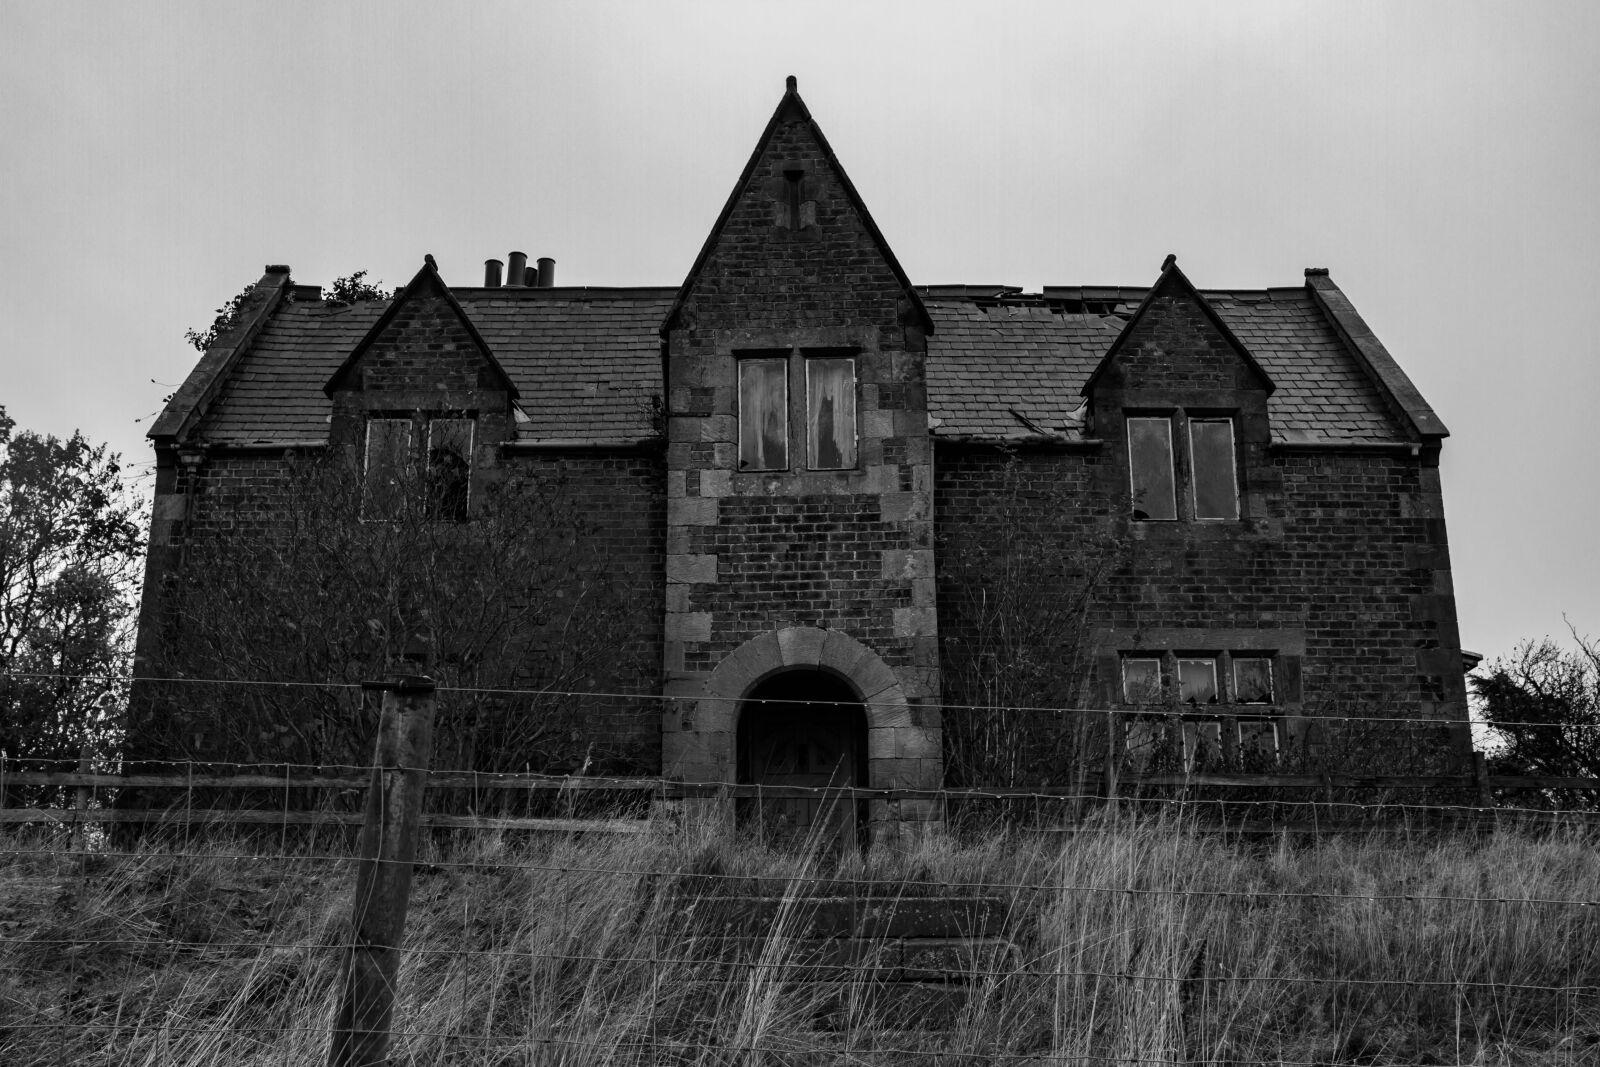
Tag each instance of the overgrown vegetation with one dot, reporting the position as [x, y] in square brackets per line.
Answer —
[1016, 592]
[1134, 943]
[296, 583]
[226, 315]
[1543, 704]
[354, 289]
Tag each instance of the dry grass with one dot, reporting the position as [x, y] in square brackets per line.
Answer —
[1135, 943]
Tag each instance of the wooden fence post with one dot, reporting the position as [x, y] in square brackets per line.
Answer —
[383, 873]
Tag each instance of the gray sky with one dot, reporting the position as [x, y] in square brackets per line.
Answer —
[1440, 158]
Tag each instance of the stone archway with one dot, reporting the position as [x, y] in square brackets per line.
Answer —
[903, 743]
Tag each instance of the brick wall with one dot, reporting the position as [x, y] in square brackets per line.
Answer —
[795, 267]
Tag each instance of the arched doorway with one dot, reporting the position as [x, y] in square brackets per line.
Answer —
[803, 728]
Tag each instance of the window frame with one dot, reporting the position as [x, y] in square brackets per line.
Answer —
[1181, 465]
[809, 360]
[800, 431]
[1170, 470]
[433, 499]
[416, 466]
[763, 359]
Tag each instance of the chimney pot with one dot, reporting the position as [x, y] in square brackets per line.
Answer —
[530, 276]
[516, 268]
[491, 273]
[547, 272]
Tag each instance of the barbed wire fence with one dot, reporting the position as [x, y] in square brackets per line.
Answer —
[1169, 916]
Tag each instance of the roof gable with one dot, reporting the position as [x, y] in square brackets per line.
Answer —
[425, 283]
[1373, 356]
[194, 398]
[791, 110]
[1173, 281]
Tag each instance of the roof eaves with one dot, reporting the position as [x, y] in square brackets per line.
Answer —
[200, 388]
[1372, 355]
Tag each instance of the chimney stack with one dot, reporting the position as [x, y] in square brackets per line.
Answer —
[516, 268]
[491, 273]
[547, 272]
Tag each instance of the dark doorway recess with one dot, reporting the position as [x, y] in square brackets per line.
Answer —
[804, 728]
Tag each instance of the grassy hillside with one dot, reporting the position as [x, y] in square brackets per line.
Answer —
[1133, 944]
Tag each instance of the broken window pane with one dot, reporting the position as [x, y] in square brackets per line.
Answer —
[1258, 744]
[449, 468]
[763, 414]
[1202, 745]
[388, 462]
[1211, 447]
[1145, 744]
[1197, 681]
[1141, 681]
[1150, 461]
[1252, 680]
[830, 413]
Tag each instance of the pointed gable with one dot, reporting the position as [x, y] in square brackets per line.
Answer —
[795, 245]
[423, 340]
[1176, 339]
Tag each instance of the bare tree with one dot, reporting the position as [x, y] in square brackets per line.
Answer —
[1016, 588]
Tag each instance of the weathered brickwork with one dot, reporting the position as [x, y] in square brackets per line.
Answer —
[1352, 573]
[1322, 549]
[795, 267]
[1336, 563]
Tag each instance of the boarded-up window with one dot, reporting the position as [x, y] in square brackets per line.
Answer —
[449, 478]
[830, 413]
[388, 468]
[1252, 680]
[1197, 680]
[1150, 461]
[1141, 680]
[763, 414]
[1216, 493]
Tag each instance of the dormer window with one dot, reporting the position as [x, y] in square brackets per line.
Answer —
[1183, 466]
[826, 378]
[417, 458]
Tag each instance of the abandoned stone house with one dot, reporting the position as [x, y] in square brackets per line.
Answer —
[782, 447]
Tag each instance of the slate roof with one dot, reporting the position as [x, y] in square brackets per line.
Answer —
[1000, 364]
[585, 361]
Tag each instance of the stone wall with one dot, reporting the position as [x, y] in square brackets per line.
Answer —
[795, 268]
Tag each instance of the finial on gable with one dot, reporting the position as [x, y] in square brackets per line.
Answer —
[1170, 262]
[427, 257]
[791, 83]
